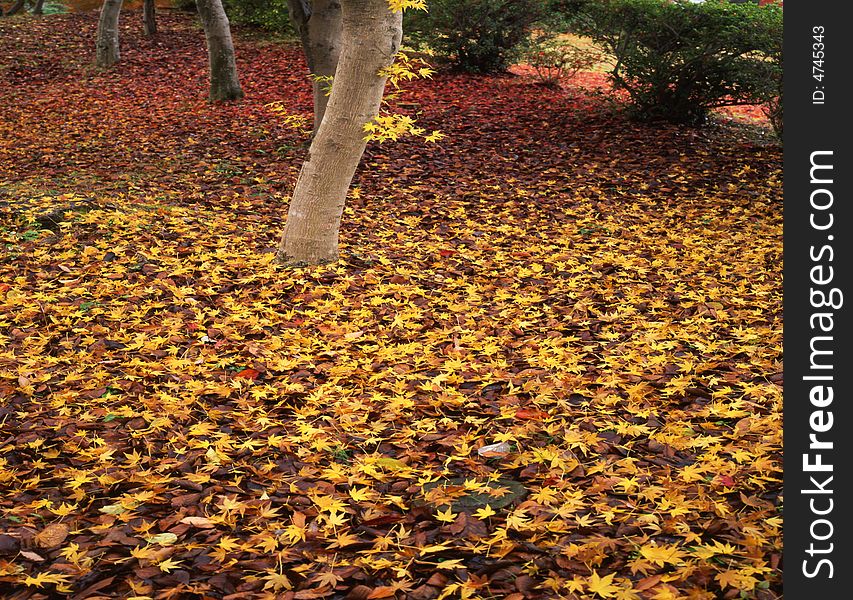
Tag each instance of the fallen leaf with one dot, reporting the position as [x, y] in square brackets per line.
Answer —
[199, 522]
[52, 535]
[493, 450]
[162, 539]
[252, 374]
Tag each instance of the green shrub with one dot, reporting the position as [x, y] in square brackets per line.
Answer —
[271, 15]
[479, 36]
[678, 60]
[53, 8]
[187, 5]
[555, 62]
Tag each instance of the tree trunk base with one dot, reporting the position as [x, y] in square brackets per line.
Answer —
[149, 18]
[293, 263]
[226, 95]
[224, 83]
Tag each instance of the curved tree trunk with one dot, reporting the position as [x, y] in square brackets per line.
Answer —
[17, 7]
[371, 35]
[38, 7]
[319, 26]
[224, 84]
[106, 44]
[149, 18]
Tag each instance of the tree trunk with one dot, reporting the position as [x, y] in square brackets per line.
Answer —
[14, 9]
[370, 35]
[38, 7]
[224, 84]
[106, 44]
[149, 18]
[319, 27]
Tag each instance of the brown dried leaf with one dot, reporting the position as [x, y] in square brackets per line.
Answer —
[32, 556]
[385, 591]
[199, 522]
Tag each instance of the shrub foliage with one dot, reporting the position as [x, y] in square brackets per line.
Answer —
[478, 36]
[678, 60]
[555, 62]
[270, 15]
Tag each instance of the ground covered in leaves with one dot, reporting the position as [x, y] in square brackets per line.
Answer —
[548, 364]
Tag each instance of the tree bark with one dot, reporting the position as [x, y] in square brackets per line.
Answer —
[370, 35]
[224, 83]
[149, 18]
[38, 7]
[14, 9]
[319, 27]
[106, 44]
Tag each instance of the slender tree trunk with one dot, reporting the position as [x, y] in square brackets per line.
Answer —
[370, 36]
[149, 18]
[17, 7]
[106, 44]
[319, 26]
[224, 84]
[38, 7]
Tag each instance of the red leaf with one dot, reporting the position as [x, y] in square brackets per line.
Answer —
[248, 374]
[386, 591]
[530, 413]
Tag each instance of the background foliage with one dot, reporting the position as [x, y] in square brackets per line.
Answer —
[271, 15]
[677, 60]
[479, 36]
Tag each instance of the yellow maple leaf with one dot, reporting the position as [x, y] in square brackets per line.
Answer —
[435, 136]
[448, 516]
[335, 519]
[401, 5]
[64, 509]
[485, 512]
[706, 551]
[228, 544]
[660, 555]
[42, 578]
[293, 534]
[328, 579]
[360, 494]
[602, 586]
[277, 582]
[450, 564]
[344, 539]
[328, 504]
[168, 565]
[728, 578]
[434, 548]
[268, 544]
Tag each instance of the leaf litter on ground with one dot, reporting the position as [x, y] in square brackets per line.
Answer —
[597, 300]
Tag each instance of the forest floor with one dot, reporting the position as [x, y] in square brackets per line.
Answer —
[547, 365]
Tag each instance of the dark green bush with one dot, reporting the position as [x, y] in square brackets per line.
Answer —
[678, 60]
[271, 15]
[479, 36]
[187, 5]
